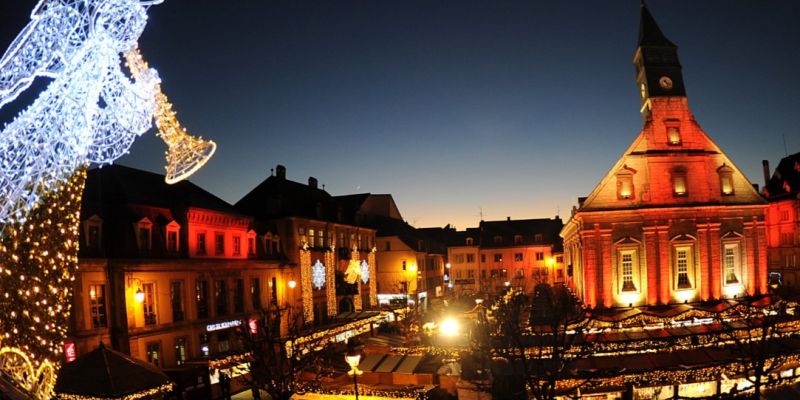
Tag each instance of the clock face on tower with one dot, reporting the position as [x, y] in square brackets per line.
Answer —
[665, 82]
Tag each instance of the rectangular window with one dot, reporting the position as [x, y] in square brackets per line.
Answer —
[537, 237]
[786, 238]
[97, 304]
[679, 184]
[470, 258]
[238, 296]
[274, 290]
[359, 242]
[251, 246]
[144, 238]
[180, 351]
[220, 297]
[682, 260]
[223, 341]
[470, 273]
[498, 257]
[237, 245]
[626, 267]
[458, 258]
[172, 241]
[312, 240]
[176, 299]
[154, 353]
[93, 239]
[483, 258]
[520, 273]
[201, 299]
[560, 259]
[205, 349]
[149, 303]
[731, 263]
[539, 256]
[255, 293]
[201, 243]
[404, 265]
[785, 215]
[517, 256]
[219, 244]
[320, 238]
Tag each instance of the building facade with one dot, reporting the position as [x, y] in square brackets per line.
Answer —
[782, 190]
[674, 220]
[167, 271]
[330, 258]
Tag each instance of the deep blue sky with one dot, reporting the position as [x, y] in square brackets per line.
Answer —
[515, 107]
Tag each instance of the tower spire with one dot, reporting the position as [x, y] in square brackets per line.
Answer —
[658, 71]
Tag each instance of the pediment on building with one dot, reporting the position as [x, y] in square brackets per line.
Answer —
[658, 155]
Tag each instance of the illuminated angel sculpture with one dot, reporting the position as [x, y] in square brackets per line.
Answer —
[91, 112]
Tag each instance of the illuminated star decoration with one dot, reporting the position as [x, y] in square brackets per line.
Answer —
[318, 275]
[90, 112]
[364, 271]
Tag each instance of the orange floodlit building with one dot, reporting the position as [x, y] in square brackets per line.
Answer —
[674, 220]
[783, 220]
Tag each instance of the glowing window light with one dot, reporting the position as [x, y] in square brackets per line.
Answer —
[318, 275]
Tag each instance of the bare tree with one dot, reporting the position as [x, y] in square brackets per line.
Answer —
[277, 361]
[755, 334]
[542, 338]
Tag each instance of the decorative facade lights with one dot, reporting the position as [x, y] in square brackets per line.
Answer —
[330, 285]
[318, 275]
[354, 271]
[373, 287]
[305, 283]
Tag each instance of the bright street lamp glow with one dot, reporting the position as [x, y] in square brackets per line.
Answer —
[292, 284]
[449, 327]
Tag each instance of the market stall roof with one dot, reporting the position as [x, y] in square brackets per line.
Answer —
[389, 363]
[409, 364]
[370, 362]
[106, 373]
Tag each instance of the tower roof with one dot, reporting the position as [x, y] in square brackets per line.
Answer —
[649, 32]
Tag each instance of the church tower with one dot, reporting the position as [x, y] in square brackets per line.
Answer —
[674, 221]
[658, 71]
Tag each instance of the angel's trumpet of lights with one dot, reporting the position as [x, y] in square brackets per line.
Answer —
[185, 153]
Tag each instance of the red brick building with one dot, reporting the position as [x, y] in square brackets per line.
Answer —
[674, 220]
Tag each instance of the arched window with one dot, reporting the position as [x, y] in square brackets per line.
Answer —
[726, 180]
[625, 189]
[673, 132]
[679, 182]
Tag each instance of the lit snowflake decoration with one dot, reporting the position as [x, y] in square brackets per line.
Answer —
[91, 112]
[364, 271]
[318, 275]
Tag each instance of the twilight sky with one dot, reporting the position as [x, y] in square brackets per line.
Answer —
[453, 106]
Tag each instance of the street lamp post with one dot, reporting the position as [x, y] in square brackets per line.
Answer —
[353, 357]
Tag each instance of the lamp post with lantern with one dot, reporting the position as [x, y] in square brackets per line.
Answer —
[353, 357]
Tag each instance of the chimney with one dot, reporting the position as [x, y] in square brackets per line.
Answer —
[280, 171]
[765, 164]
[508, 219]
[312, 182]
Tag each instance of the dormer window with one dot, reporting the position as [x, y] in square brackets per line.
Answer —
[498, 239]
[674, 135]
[470, 241]
[625, 190]
[726, 180]
[517, 239]
[144, 230]
[93, 232]
[172, 237]
[251, 243]
[537, 237]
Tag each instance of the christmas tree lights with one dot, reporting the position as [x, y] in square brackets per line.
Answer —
[38, 260]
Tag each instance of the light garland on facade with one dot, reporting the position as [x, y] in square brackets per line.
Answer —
[318, 275]
[305, 284]
[316, 339]
[163, 389]
[90, 112]
[185, 154]
[356, 266]
[38, 261]
[364, 391]
[373, 287]
[330, 284]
